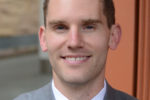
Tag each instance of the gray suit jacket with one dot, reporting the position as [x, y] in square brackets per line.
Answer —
[45, 93]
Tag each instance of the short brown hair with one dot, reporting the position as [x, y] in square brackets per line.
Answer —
[109, 11]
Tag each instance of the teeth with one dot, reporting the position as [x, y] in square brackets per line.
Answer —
[75, 58]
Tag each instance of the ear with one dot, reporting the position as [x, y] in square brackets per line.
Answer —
[42, 39]
[115, 36]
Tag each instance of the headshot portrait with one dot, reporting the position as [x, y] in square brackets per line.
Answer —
[77, 36]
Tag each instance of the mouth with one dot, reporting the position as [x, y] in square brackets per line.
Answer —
[75, 59]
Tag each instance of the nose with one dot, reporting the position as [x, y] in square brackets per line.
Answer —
[75, 39]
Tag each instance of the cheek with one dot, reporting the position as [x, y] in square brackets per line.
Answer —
[100, 49]
[54, 43]
[98, 42]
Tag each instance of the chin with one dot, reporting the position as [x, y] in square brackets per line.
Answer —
[76, 80]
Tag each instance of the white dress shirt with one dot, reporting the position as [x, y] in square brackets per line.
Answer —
[59, 96]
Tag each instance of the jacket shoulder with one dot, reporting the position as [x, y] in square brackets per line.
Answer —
[44, 93]
[114, 94]
[123, 96]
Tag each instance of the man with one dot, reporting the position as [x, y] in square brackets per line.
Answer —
[77, 35]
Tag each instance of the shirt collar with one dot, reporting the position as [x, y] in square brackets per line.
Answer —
[59, 96]
[101, 94]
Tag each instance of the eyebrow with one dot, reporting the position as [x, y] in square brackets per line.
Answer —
[92, 21]
[55, 22]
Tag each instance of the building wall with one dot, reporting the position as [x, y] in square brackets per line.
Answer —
[19, 17]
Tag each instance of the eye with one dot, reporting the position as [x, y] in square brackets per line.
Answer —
[89, 27]
[60, 28]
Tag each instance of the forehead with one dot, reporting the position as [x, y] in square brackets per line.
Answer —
[74, 9]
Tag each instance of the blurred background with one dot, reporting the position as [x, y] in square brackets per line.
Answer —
[24, 67]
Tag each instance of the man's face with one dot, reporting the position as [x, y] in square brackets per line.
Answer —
[76, 38]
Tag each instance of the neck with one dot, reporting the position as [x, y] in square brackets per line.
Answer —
[85, 91]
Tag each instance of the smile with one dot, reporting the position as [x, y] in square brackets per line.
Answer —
[75, 59]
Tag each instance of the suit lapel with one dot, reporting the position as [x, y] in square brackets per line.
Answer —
[110, 93]
[51, 96]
